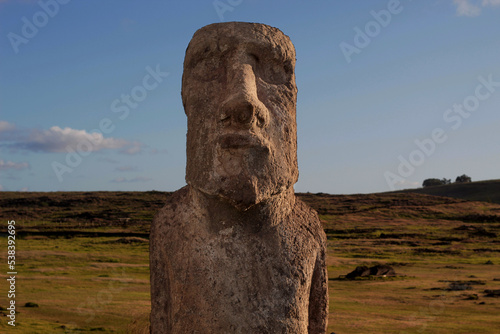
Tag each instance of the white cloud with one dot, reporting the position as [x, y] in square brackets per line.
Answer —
[132, 148]
[6, 126]
[57, 139]
[135, 179]
[491, 3]
[465, 8]
[473, 8]
[24, 189]
[1, 187]
[5, 165]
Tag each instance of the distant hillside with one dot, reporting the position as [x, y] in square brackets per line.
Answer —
[485, 191]
[131, 212]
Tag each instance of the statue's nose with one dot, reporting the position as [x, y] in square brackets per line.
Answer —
[242, 106]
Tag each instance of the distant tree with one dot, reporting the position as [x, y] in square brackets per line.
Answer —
[463, 179]
[446, 181]
[433, 182]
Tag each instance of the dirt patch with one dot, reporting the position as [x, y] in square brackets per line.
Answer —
[36, 237]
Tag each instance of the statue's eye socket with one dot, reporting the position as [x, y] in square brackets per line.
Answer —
[255, 58]
[274, 71]
[208, 69]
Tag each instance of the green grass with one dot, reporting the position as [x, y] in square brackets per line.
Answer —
[100, 284]
[79, 287]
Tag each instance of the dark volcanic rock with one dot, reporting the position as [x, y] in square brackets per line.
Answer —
[492, 293]
[378, 270]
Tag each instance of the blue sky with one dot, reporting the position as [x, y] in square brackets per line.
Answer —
[390, 92]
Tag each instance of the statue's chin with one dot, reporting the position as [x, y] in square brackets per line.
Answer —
[244, 177]
[240, 192]
[243, 191]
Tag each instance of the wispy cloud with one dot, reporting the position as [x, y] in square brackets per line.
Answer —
[108, 160]
[465, 8]
[7, 165]
[57, 139]
[405, 184]
[473, 8]
[157, 151]
[135, 179]
[132, 148]
[491, 2]
[126, 169]
[6, 126]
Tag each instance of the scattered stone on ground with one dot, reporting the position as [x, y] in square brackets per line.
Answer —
[477, 231]
[492, 293]
[378, 270]
[471, 297]
[453, 267]
[463, 285]
[459, 286]
[128, 240]
[31, 304]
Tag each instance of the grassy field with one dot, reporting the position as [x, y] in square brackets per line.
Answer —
[83, 259]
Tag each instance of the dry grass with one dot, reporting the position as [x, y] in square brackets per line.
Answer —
[100, 282]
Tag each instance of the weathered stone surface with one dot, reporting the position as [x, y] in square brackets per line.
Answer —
[235, 251]
[239, 93]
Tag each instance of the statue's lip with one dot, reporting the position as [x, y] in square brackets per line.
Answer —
[241, 140]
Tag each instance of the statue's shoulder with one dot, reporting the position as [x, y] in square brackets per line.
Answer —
[177, 199]
[308, 218]
[176, 207]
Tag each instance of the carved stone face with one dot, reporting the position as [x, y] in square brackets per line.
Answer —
[239, 95]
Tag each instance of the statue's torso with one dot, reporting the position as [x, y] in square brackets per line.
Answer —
[222, 277]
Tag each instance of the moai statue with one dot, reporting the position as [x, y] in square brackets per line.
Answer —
[235, 251]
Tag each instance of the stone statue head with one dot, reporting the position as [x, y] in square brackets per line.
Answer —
[239, 95]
